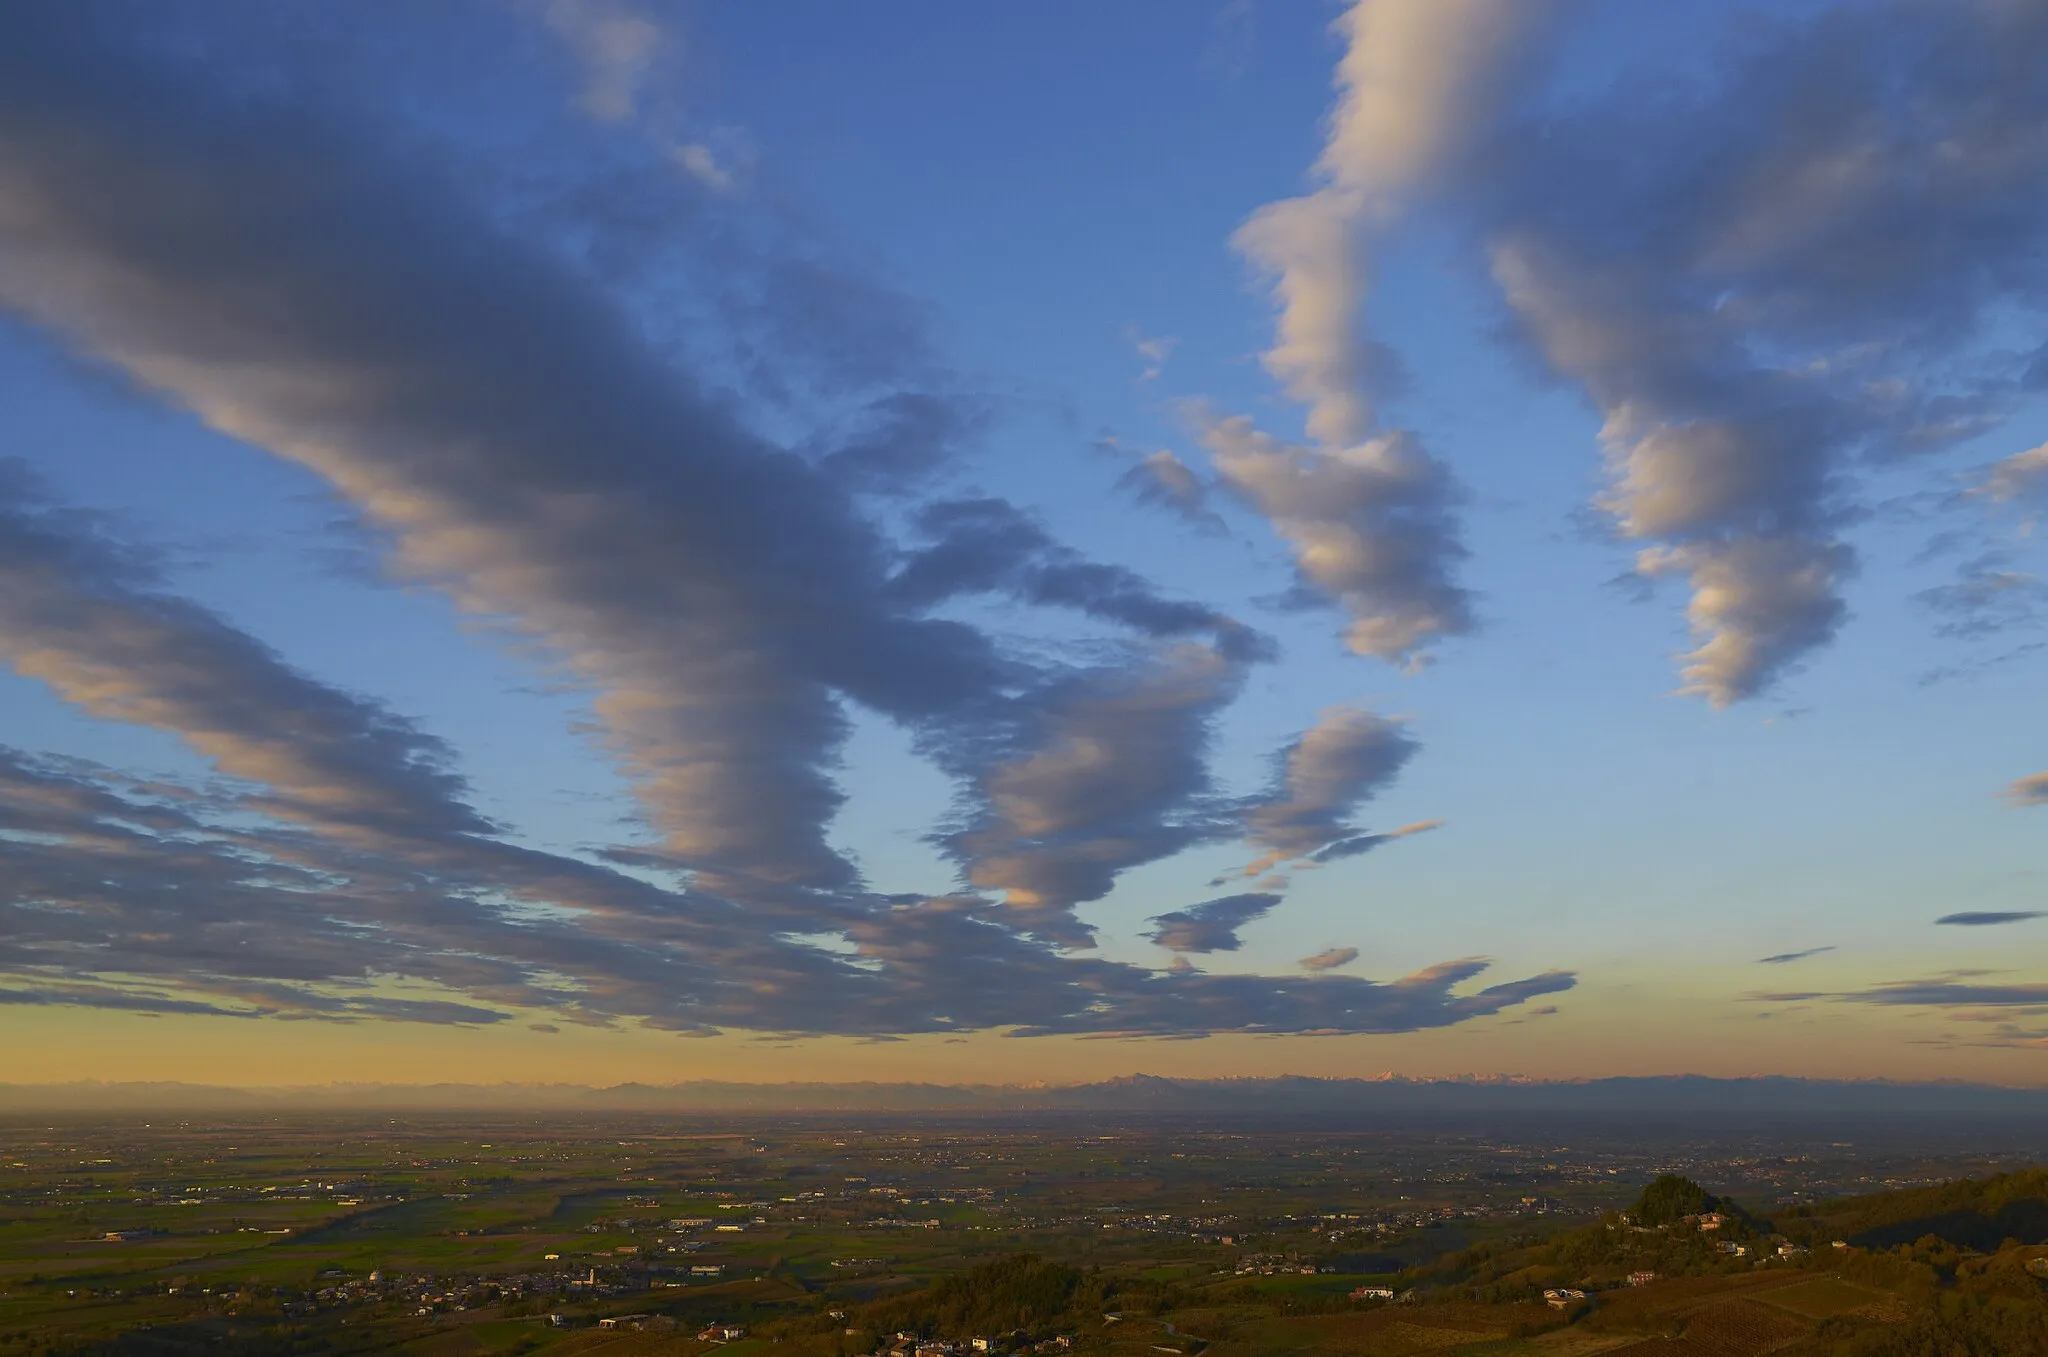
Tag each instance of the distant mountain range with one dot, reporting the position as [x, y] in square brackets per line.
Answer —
[1391, 1097]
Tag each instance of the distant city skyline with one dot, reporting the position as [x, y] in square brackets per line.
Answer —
[595, 541]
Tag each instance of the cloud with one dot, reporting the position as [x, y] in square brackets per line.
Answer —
[615, 45]
[1758, 605]
[192, 916]
[716, 593]
[2029, 791]
[1939, 993]
[1344, 760]
[1329, 959]
[990, 546]
[1369, 512]
[525, 442]
[1111, 773]
[1162, 479]
[1372, 529]
[1365, 843]
[151, 896]
[1985, 599]
[1417, 78]
[1784, 958]
[1319, 1003]
[2018, 478]
[89, 996]
[897, 440]
[154, 897]
[1153, 351]
[1806, 260]
[700, 162]
[88, 617]
[1212, 925]
[1987, 918]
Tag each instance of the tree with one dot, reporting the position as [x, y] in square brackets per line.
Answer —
[1672, 1198]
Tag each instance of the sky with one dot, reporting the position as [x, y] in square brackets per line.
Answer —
[583, 540]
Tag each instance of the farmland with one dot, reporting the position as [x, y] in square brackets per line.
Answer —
[817, 1238]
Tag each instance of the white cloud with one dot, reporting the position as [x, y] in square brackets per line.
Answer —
[1371, 526]
[1152, 351]
[1418, 77]
[2020, 477]
[699, 162]
[1377, 534]
[1758, 605]
[615, 45]
[1801, 262]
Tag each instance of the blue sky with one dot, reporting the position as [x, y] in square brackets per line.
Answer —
[618, 505]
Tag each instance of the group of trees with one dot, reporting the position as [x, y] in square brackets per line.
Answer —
[1021, 1291]
[1978, 1213]
[1670, 1199]
[1966, 1322]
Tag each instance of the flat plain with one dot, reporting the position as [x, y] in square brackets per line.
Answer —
[814, 1237]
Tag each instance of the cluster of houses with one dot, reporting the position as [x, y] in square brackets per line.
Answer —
[1381, 1293]
[431, 1295]
[1275, 1265]
[1713, 1222]
[910, 1345]
[1786, 1251]
[651, 1323]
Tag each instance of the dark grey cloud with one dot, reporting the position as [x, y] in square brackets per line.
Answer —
[83, 996]
[1310, 1004]
[1212, 925]
[896, 440]
[1340, 849]
[1986, 598]
[1805, 260]
[1938, 993]
[201, 914]
[991, 546]
[1987, 918]
[1784, 958]
[160, 898]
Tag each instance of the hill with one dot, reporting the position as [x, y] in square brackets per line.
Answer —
[1982, 1214]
